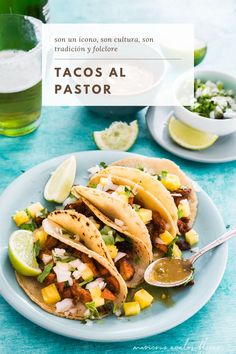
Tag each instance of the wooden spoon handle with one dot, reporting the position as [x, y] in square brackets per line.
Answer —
[223, 238]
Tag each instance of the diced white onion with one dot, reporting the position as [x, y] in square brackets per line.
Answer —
[76, 263]
[118, 312]
[69, 200]
[46, 258]
[94, 169]
[108, 185]
[98, 283]
[87, 313]
[62, 272]
[119, 222]
[59, 252]
[76, 274]
[64, 305]
[119, 256]
[176, 195]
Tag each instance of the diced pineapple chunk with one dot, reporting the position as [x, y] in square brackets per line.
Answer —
[21, 217]
[50, 294]
[123, 197]
[143, 298]
[95, 292]
[87, 273]
[99, 301]
[103, 181]
[131, 308]
[41, 236]
[176, 252]
[171, 182]
[192, 237]
[122, 194]
[113, 250]
[145, 215]
[166, 237]
[121, 190]
[35, 208]
[184, 208]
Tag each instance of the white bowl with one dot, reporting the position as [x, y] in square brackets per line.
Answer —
[214, 126]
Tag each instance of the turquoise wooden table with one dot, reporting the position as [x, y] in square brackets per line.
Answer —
[65, 130]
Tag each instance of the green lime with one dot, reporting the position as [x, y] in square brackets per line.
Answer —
[200, 49]
[188, 137]
[21, 253]
[61, 181]
[119, 136]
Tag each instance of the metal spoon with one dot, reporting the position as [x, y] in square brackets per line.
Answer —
[148, 275]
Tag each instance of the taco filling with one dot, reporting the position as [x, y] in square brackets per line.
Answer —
[73, 282]
[120, 247]
[181, 195]
[161, 238]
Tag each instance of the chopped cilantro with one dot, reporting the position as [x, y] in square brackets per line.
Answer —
[141, 168]
[164, 173]
[108, 239]
[86, 281]
[170, 248]
[92, 308]
[37, 248]
[108, 235]
[180, 214]
[136, 207]
[43, 213]
[106, 229]
[119, 238]
[65, 260]
[31, 226]
[94, 185]
[103, 164]
[128, 191]
[137, 259]
[28, 213]
[45, 273]
[114, 308]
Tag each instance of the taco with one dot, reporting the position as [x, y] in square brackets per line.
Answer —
[134, 206]
[129, 254]
[76, 283]
[150, 184]
[174, 180]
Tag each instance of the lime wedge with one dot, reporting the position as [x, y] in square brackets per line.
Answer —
[61, 181]
[188, 137]
[119, 136]
[21, 253]
[200, 49]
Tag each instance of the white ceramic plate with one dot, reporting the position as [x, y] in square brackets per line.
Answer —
[156, 319]
[224, 149]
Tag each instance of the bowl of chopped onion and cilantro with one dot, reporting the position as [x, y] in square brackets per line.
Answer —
[213, 107]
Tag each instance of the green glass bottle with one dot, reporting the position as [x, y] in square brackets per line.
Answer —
[34, 8]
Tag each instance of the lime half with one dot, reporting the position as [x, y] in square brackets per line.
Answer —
[200, 49]
[119, 136]
[61, 181]
[188, 137]
[21, 253]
